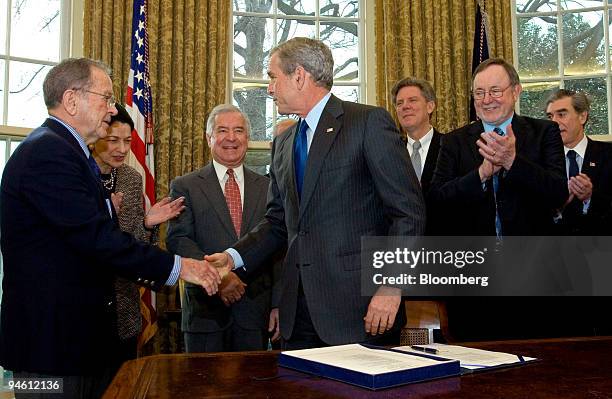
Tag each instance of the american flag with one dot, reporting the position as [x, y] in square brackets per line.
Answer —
[138, 101]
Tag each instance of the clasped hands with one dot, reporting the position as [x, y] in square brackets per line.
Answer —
[498, 152]
[215, 275]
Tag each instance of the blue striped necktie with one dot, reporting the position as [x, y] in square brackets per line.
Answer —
[498, 225]
[300, 152]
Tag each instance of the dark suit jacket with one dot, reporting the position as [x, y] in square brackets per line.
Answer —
[358, 182]
[528, 193]
[61, 251]
[431, 160]
[597, 164]
[205, 227]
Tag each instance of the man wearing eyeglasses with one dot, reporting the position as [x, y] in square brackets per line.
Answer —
[62, 246]
[504, 174]
[501, 176]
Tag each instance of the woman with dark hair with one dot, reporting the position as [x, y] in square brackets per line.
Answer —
[123, 185]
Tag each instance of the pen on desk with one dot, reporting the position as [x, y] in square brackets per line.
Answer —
[424, 349]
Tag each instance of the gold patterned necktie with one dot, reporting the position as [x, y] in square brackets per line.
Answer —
[234, 203]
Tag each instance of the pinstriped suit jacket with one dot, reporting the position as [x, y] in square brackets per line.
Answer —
[358, 182]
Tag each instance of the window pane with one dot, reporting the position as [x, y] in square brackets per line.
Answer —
[537, 47]
[299, 7]
[14, 144]
[253, 5]
[290, 28]
[2, 155]
[342, 39]
[254, 101]
[35, 27]
[26, 104]
[3, 5]
[579, 4]
[583, 43]
[533, 6]
[596, 89]
[534, 96]
[252, 44]
[346, 93]
[258, 160]
[339, 8]
[1, 92]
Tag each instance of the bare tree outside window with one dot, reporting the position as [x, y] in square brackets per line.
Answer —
[259, 25]
[26, 55]
[563, 44]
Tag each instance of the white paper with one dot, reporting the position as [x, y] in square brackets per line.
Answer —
[469, 358]
[365, 360]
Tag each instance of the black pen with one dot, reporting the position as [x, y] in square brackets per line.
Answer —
[425, 349]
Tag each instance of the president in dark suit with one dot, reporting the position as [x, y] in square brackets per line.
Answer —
[415, 101]
[503, 175]
[588, 209]
[211, 222]
[341, 174]
[62, 246]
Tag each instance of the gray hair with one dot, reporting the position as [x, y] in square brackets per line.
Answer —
[426, 89]
[509, 68]
[223, 109]
[70, 74]
[314, 56]
[580, 101]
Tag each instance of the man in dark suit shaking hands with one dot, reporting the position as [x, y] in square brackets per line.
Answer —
[340, 174]
[62, 245]
[588, 208]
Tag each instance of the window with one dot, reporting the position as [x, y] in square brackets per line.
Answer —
[34, 36]
[565, 44]
[258, 26]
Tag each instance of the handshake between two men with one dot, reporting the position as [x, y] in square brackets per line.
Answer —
[214, 275]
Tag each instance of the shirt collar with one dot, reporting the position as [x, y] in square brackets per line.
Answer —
[312, 119]
[74, 133]
[503, 126]
[221, 171]
[425, 140]
[580, 148]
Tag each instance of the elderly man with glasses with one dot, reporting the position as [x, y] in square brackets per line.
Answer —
[501, 176]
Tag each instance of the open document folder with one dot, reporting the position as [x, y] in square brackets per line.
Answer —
[368, 366]
[376, 368]
[469, 358]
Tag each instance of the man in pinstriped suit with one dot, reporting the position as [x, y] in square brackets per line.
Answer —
[357, 181]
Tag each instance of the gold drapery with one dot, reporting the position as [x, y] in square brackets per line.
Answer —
[188, 45]
[433, 40]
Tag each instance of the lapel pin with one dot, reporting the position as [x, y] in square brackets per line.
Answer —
[329, 130]
[591, 163]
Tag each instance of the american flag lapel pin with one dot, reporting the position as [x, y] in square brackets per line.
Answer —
[329, 130]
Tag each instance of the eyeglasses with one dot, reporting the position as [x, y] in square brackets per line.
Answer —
[110, 99]
[495, 92]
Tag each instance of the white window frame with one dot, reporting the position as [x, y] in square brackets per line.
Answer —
[71, 45]
[558, 13]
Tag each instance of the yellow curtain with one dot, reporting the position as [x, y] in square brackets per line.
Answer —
[188, 47]
[433, 40]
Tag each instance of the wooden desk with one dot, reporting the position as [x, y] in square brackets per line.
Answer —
[569, 368]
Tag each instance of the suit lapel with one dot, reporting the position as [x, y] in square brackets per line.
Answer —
[432, 157]
[520, 129]
[592, 160]
[475, 130]
[287, 148]
[251, 199]
[212, 191]
[325, 134]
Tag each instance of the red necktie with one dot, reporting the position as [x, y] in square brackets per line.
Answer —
[234, 203]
